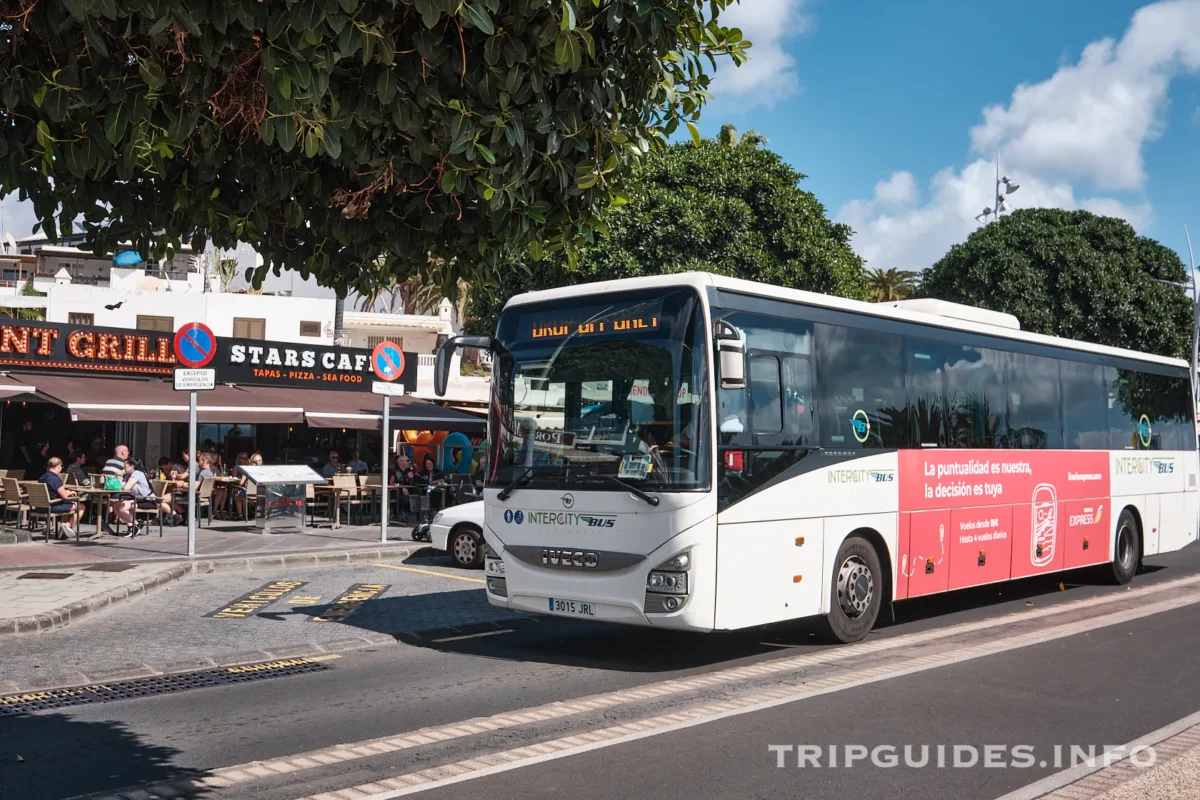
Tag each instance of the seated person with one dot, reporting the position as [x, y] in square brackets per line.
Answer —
[62, 499]
[333, 466]
[402, 478]
[357, 464]
[429, 474]
[138, 486]
[76, 468]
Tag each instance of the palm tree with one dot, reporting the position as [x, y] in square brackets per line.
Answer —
[888, 285]
[729, 137]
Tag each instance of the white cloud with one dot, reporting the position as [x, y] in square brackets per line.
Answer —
[912, 236]
[1087, 123]
[770, 74]
[898, 190]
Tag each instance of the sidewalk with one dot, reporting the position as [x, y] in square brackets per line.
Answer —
[45, 586]
[222, 540]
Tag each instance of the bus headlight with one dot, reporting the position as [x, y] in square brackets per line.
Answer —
[667, 582]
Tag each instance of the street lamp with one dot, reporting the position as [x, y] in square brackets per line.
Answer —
[1004, 187]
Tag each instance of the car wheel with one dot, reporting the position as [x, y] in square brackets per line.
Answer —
[466, 548]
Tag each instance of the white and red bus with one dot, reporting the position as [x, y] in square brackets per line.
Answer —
[703, 453]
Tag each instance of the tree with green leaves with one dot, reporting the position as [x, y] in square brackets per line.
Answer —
[888, 285]
[729, 209]
[1072, 274]
[347, 139]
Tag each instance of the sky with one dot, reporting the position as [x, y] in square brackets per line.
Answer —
[896, 112]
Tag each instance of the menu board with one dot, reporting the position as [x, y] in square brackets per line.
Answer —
[269, 474]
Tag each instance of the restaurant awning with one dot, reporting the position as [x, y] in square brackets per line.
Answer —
[91, 399]
[10, 387]
[365, 412]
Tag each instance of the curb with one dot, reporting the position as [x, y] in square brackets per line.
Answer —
[72, 680]
[65, 615]
[368, 641]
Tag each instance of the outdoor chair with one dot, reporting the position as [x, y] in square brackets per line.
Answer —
[348, 494]
[39, 506]
[14, 500]
[158, 489]
[203, 500]
[251, 499]
[15, 474]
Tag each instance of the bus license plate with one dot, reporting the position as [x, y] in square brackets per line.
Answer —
[572, 607]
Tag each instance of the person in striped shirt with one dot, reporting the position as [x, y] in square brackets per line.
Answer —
[115, 466]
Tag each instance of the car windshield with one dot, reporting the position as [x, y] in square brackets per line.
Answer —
[599, 388]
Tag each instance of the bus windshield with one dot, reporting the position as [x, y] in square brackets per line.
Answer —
[601, 391]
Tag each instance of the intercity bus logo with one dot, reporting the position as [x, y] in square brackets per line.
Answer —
[862, 475]
[561, 518]
[861, 425]
[1144, 430]
[1141, 465]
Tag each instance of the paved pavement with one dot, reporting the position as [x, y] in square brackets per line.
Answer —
[26, 593]
[211, 616]
[1018, 664]
[222, 540]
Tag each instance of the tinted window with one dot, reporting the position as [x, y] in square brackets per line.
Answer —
[1085, 412]
[1149, 412]
[860, 388]
[975, 402]
[766, 393]
[798, 411]
[925, 379]
[1034, 408]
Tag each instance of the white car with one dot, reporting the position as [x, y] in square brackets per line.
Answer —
[459, 531]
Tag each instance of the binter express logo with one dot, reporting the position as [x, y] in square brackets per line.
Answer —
[862, 476]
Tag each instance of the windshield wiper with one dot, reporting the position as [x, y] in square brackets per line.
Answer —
[515, 484]
[633, 490]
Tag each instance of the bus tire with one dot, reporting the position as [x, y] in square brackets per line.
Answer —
[1126, 550]
[856, 594]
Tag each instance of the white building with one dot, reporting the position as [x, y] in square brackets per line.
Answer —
[82, 289]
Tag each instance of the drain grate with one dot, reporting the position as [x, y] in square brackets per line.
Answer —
[31, 702]
[108, 567]
[44, 576]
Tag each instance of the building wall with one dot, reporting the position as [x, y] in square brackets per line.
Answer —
[281, 315]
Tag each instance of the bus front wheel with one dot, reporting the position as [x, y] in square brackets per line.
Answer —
[857, 591]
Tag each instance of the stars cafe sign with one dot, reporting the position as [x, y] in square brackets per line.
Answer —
[113, 352]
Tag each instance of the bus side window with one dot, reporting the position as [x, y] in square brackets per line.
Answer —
[766, 410]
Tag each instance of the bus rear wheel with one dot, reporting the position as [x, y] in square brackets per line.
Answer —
[857, 591]
[1126, 548]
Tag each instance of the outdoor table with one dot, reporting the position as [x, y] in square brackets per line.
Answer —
[100, 496]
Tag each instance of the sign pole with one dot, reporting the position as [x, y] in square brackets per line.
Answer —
[387, 456]
[191, 494]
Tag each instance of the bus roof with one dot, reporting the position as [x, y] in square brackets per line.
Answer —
[705, 280]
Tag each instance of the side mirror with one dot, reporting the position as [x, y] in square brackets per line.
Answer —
[445, 354]
[731, 350]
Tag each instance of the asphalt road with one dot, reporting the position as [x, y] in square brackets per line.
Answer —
[1105, 687]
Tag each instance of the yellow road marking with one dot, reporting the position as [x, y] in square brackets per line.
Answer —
[432, 572]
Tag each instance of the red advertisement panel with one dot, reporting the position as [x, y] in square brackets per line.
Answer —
[925, 564]
[981, 547]
[965, 478]
[1086, 524]
[1055, 500]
